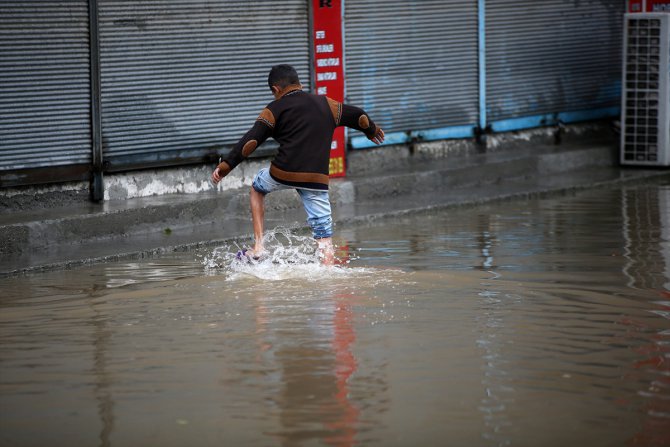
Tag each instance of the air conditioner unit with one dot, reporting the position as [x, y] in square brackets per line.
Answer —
[645, 99]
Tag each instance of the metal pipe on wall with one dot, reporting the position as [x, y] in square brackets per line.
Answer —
[481, 38]
[97, 183]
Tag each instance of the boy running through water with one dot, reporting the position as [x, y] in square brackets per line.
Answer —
[303, 124]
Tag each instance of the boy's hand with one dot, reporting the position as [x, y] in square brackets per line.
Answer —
[216, 176]
[222, 170]
[378, 137]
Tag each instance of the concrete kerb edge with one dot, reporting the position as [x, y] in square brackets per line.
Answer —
[145, 219]
[134, 255]
[546, 192]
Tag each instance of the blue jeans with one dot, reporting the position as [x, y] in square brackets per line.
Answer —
[316, 203]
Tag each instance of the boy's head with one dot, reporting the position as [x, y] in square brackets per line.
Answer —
[281, 76]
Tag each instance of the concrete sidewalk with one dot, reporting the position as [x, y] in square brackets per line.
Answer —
[78, 234]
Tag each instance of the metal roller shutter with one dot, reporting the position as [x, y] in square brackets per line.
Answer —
[413, 64]
[181, 79]
[552, 56]
[44, 84]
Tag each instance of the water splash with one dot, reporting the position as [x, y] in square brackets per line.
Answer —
[287, 256]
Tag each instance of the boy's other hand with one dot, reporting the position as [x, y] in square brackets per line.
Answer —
[378, 137]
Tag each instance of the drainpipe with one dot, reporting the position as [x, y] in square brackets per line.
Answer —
[482, 128]
[97, 184]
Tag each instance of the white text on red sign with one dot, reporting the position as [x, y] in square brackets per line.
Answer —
[328, 76]
[325, 48]
[329, 62]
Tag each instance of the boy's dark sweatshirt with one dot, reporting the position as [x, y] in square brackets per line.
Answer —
[303, 124]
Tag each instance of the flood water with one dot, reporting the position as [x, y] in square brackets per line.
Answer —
[524, 323]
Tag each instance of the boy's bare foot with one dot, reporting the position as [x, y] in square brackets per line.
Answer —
[256, 253]
[251, 254]
[326, 251]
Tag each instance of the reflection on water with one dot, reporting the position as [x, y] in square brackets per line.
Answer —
[541, 322]
[646, 230]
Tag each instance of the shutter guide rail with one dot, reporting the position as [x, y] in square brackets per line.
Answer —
[97, 184]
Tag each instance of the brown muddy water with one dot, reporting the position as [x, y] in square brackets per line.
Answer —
[525, 323]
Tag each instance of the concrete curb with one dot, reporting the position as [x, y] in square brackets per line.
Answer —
[470, 181]
[649, 177]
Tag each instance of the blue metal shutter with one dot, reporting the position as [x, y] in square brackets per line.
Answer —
[551, 56]
[412, 64]
[181, 79]
[44, 84]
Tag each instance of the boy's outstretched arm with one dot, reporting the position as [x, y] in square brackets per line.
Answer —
[259, 132]
[356, 118]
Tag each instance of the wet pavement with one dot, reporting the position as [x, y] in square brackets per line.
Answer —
[526, 322]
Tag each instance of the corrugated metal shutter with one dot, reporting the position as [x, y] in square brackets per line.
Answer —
[413, 64]
[183, 78]
[552, 56]
[44, 84]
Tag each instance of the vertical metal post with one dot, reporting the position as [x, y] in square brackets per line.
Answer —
[344, 59]
[344, 72]
[481, 20]
[97, 184]
[310, 30]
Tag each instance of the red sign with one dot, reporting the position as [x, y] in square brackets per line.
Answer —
[329, 69]
[649, 6]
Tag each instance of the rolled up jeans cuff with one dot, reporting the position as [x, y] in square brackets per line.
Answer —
[265, 184]
[321, 227]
